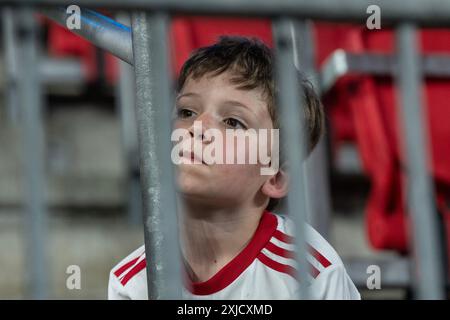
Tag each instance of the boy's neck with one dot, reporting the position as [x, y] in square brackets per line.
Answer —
[212, 237]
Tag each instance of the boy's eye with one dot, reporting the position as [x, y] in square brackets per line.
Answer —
[185, 113]
[234, 123]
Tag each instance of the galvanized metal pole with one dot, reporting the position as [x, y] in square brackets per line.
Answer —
[30, 99]
[291, 104]
[428, 261]
[304, 49]
[125, 92]
[154, 106]
[102, 31]
[430, 12]
[11, 63]
[316, 166]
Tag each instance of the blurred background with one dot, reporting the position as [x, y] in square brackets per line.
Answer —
[91, 173]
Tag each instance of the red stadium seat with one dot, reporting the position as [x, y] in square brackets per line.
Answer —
[63, 43]
[328, 38]
[374, 108]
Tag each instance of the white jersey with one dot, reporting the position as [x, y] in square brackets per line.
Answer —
[264, 269]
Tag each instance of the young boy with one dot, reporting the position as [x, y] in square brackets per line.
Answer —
[233, 245]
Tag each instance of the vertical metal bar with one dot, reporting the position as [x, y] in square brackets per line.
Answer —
[11, 65]
[125, 90]
[29, 88]
[154, 105]
[316, 173]
[304, 49]
[427, 249]
[291, 103]
[318, 197]
[126, 103]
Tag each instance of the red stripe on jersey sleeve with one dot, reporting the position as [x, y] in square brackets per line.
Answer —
[286, 268]
[277, 266]
[283, 237]
[135, 270]
[291, 240]
[123, 268]
[319, 257]
[280, 251]
[313, 270]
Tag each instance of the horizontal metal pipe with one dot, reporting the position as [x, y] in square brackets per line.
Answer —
[341, 63]
[60, 71]
[98, 29]
[430, 12]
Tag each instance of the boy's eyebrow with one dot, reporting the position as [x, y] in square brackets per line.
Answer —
[187, 94]
[238, 104]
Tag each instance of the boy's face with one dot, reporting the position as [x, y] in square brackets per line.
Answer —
[219, 104]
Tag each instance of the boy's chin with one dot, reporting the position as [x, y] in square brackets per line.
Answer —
[199, 193]
[189, 188]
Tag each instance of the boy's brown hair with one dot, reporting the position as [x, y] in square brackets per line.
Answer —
[250, 62]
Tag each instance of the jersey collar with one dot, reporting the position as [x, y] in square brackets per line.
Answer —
[225, 276]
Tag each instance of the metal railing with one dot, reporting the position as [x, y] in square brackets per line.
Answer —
[149, 45]
[425, 13]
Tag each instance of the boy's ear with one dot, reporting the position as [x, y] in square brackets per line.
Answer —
[276, 186]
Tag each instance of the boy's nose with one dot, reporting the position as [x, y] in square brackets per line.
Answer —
[200, 136]
[203, 123]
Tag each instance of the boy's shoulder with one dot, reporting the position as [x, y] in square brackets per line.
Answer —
[331, 280]
[316, 244]
[127, 280]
